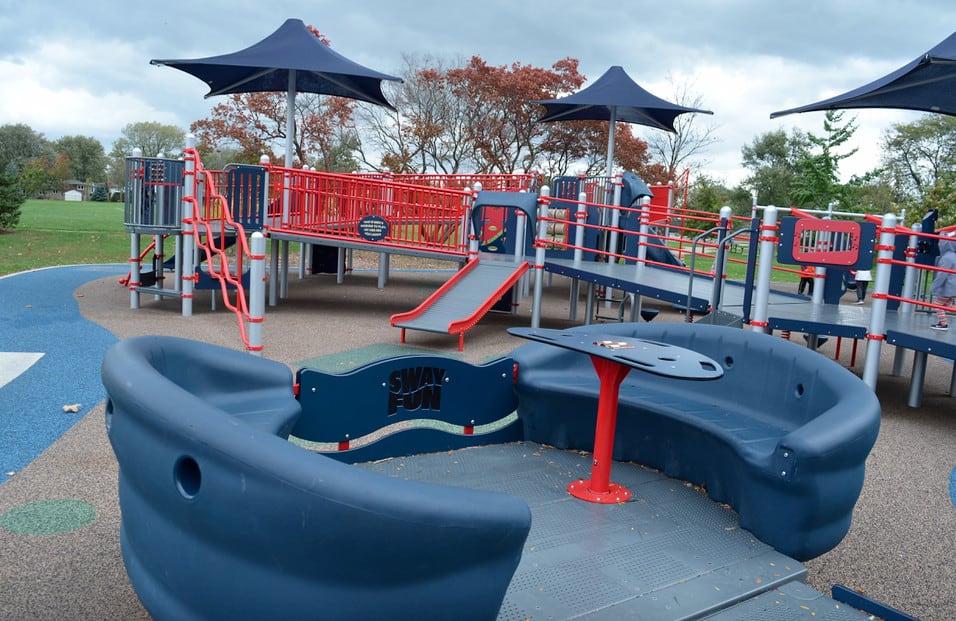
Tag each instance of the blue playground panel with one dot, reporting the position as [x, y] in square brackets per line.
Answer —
[427, 401]
[485, 206]
[246, 193]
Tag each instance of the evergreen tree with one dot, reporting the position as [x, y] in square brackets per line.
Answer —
[818, 182]
[10, 201]
[99, 194]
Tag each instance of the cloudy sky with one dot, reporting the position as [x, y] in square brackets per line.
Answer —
[82, 68]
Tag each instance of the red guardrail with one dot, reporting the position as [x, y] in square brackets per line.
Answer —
[212, 208]
[355, 208]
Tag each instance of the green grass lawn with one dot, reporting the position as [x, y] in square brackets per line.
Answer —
[64, 233]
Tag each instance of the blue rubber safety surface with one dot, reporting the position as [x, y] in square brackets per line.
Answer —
[39, 315]
[952, 486]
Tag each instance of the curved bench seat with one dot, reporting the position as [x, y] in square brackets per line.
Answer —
[223, 518]
[782, 437]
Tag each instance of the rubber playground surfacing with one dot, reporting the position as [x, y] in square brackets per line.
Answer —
[59, 515]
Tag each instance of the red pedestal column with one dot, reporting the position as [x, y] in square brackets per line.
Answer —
[599, 487]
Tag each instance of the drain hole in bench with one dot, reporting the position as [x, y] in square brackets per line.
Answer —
[188, 477]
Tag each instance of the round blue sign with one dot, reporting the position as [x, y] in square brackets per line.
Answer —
[373, 228]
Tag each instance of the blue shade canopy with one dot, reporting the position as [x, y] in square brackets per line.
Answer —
[927, 83]
[291, 58]
[615, 97]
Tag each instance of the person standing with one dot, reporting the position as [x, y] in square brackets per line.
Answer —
[863, 278]
[807, 273]
[944, 283]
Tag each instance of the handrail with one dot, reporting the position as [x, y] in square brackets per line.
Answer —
[211, 250]
[142, 255]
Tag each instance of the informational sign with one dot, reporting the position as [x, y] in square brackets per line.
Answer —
[373, 228]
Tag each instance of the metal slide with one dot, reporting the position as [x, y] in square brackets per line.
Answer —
[462, 301]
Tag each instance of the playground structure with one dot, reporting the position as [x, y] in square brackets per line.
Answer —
[207, 212]
[235, 501]
[604, 232]
[793, 488]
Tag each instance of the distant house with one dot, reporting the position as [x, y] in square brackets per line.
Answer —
[73, 195]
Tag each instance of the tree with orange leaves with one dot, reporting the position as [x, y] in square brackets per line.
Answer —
[479, 118]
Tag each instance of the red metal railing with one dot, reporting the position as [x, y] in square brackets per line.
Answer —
[345, 207]
[683, 227]
[525, 182]
[212, 228]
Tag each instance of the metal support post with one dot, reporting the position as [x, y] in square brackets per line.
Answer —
[189, 242]
[876, 332]
[257, 292]
[134, 270]
[543, 202]
[768, 244]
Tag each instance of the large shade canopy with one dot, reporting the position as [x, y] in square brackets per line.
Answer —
[614, 97]
[291, 59]
[928, 83]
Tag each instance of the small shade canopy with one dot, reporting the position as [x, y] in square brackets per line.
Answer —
[615, 97]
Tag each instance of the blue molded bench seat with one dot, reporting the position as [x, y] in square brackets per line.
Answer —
[782, 436]
[222, 518]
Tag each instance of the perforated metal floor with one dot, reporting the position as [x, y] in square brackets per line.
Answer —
[668, 553]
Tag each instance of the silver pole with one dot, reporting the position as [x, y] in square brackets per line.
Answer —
[909, 286]
[720, 258]
[471, 233]
[912, 272]
[645, 229]
[768, 243]
[134, 274]
[257, 293]
[917, 378]
[520, 288]
[273, 271]
[543, 201]
[581, 218]
[284, 280]
[290, 118]
[189, 243]
[823, 243]
[610, 141]
[819, 278]
[382, 269]
[159, 255]
[303, 256]
[178, 269]
[875, 333]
